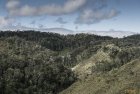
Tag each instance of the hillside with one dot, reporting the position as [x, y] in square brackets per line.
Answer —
[103, 74]
[123, 80]
[33, 62]
[27, 67]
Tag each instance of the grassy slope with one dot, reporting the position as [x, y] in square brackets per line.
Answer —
[85, 67]
[124, 80]
[121, 80]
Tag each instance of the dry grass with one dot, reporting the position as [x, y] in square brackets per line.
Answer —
[124, 80]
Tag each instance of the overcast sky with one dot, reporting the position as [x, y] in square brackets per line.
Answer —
[78, 15]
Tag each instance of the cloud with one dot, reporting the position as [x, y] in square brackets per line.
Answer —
[12, 4]
[5, 21]
[88, 11]
[89, 16]
[61, 21]
[52, 9]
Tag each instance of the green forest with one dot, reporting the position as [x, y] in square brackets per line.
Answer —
[33, 62]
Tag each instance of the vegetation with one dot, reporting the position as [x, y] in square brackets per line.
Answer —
[33, 62]
[26, 68]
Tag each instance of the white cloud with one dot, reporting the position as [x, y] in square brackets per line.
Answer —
[90, 11]
[26, 10]
[12, 4]
[53, 9]
[5, 21]
[89, 16]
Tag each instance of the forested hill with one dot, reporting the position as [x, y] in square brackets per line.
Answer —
[33, 62]
[55, 41]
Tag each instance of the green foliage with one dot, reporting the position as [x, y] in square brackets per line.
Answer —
[119, 57]
[50, 78]
[103, 66]
[26, 68]
[54, 41]
[33, 62]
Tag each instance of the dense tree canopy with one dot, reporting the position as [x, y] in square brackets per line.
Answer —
[33, 62]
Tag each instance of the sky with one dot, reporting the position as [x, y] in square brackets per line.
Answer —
[75, 15]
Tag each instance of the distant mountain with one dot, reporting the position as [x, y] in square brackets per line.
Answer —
[58, 30]
[14, 28]
[23, 28]
[64, 31]
[112, 33]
